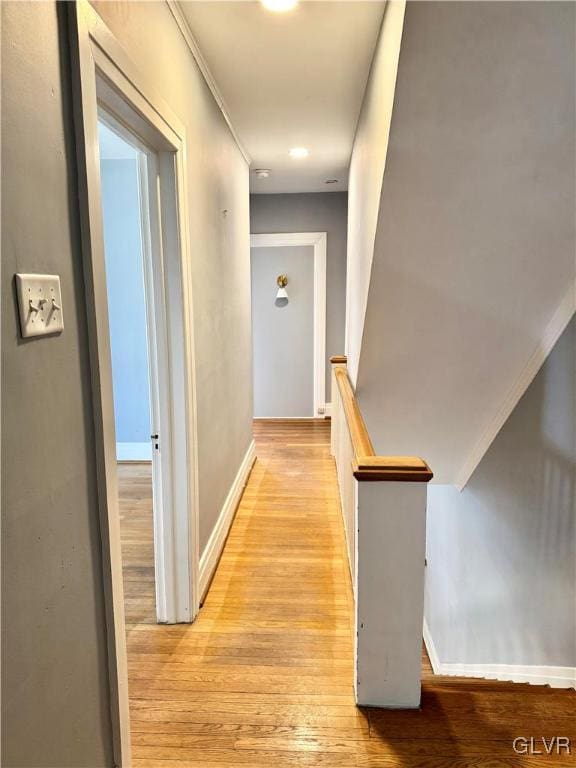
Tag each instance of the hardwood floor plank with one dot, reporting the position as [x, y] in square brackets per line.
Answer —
[263, 678]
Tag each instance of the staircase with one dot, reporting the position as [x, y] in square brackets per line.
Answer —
[461, 281]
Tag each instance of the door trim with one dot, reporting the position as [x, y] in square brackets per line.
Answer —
[172, 602]
[318, 241]
[103, 75]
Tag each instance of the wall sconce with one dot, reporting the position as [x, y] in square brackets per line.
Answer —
[281, 296]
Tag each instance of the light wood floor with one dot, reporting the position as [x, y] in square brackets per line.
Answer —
[263, 678]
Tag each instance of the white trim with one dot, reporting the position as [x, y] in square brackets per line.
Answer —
[213, 550]
[555, 677]
[552, 333]
[103, 74]
[190, 40]
[134, 451]
[328, 410]
[269, 240]
[431, 649]
[163, 193]
[288, 418]
[318, 241]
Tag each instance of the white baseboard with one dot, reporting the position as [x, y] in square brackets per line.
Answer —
[555, 677]
[431, 648]
[287, 418]
[211, 555]
[134, 451]
[327, 414]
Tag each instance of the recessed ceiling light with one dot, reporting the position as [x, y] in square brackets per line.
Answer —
[299, 152]
[331, 181]
[262, 173]
[279, 5]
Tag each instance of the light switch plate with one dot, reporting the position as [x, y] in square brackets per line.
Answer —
[40, 304]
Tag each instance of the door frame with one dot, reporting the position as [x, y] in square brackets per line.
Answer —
[103, 76]
[318, 241]
[170, 606]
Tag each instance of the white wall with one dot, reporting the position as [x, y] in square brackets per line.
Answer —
[365, 177]
[283, 337]
[474, 250]
[313, 212]
[501, 575]
[126, 304]
[220, 245]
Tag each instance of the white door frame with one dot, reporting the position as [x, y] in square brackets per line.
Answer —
[318, 241]
[105, 77]
[170, 606]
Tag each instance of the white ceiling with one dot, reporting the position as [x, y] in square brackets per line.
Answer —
[290, 79]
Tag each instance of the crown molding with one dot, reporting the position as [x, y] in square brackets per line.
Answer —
[190, 40]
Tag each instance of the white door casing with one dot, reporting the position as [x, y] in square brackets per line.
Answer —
[318, 241]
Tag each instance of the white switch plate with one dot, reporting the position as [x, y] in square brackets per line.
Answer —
[40, 304]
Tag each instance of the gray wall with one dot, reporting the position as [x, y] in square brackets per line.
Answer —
[219, 224]
[283, 337]
[501, 576]
[314, 212]
[55, 708]
[54, 669]
[367, 164]
[476, 235]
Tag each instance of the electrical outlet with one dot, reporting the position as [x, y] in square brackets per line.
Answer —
[40, 304]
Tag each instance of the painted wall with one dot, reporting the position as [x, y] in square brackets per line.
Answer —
[474, 249]
[500, 585]
[55, 709]
[365, 177]
[55, 706]
[126, 303]
[218, 205]
[315, 212]
[283, 337]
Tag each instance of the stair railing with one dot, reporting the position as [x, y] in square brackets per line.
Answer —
[383, 500]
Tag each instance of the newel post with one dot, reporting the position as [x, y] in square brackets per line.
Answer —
[383, 501]
[390, 547]
[337, 361]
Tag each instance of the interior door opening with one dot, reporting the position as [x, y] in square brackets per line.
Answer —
[136, 327]
[109, 89]
[143, 370]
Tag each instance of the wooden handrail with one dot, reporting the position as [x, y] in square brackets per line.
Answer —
[361, 442]
[366, 465]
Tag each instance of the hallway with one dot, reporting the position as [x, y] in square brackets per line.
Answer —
[264, 676]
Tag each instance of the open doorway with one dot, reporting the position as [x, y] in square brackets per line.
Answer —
[289, 324]
[135, 328]
[144, 339]
[109, 89]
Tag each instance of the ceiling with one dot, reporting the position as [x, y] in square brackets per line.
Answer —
[290, 79]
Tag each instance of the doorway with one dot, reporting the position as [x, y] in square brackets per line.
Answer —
[145, 336]
[289, 324]
[137, 342]
[106, 84]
